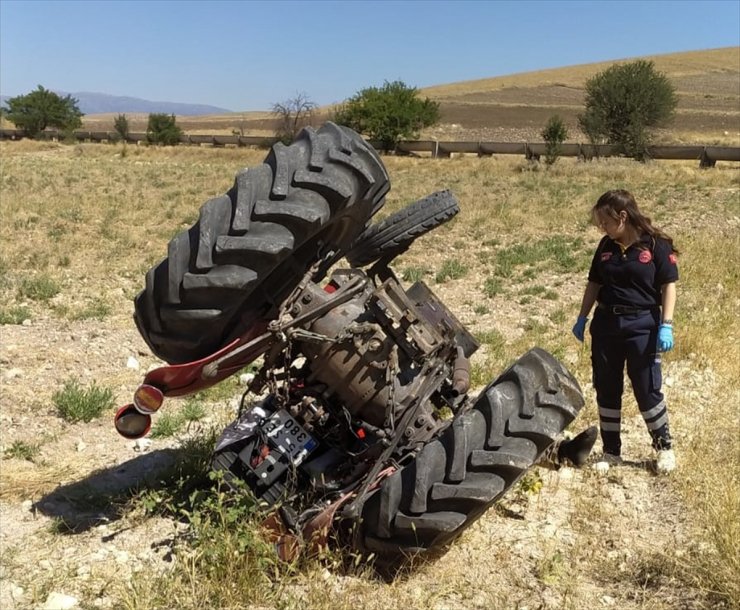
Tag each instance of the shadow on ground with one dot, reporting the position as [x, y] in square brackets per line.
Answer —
[101, 496]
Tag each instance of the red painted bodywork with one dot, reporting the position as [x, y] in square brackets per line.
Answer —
[187, 378]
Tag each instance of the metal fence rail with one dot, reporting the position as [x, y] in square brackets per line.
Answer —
[706, 155]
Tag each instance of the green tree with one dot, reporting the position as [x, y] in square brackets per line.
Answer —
[162, 129]
[120, 124]
[624, 102]
[554, 134]
[389, 114]
[293, 115]
[42, 108]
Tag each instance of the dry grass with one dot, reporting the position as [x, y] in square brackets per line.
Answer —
[93, 219]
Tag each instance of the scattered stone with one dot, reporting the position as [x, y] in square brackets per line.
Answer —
[26, 322]
[122, 557]
[669, 381]
[608, 600]
[80, 446]
[16, 592]
[27, 504]
[566, 473]
[141, 445]
[246, 378]
[132, 363]
[13, 373]
[60, 601]
[45, 563]
[601, 468]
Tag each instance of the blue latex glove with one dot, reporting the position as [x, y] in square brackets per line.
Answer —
[579, 328]
[665, 338]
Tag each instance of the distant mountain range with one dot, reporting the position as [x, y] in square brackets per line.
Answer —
[100, 103]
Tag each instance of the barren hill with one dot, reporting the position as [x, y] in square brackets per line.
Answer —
[516, 107]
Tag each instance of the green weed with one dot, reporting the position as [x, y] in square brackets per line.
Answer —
[75, 403]
[492, 287]
[23, 451]
[167, 425]
[451, 269]
[41, 288]
[414, 274]
[14, 315]
[96, 310]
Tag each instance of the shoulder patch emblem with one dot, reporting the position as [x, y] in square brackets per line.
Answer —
[645, 257]
[605, 256]
[672, 258]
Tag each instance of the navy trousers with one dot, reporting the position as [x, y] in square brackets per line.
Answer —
[630, 339]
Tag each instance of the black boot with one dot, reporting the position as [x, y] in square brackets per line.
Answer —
[577, 449]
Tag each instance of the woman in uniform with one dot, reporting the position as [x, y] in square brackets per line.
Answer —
[632, 280]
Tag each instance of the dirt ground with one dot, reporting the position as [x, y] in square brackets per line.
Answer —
[534, 536]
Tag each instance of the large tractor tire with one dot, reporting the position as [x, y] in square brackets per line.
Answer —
[394, 234]
[251, 246]
[456, 477]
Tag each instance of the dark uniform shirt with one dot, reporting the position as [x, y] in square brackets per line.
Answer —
[633, 277]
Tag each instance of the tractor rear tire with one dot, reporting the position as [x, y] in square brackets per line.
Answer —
[456, 477]
[394, 234]
[251, 246]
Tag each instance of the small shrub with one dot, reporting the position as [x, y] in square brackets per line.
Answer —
[167, 425]
[41, 288]
[120, 124]
[554, 134]
[481, 310]
[75, 403]
[23, 451]
[492, 286]
[452, 269]
[414, 274]
[14, 315]
[162, 129]
[97, 310]
[193, 410]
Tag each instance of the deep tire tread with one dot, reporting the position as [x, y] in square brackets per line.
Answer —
[458, 475]
[400, 229]
[251, 246]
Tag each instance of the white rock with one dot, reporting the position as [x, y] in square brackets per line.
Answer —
[26, 322]
[246, 378]
[27, 504]
[142, 444]
[16, 592]
[13, 373]
[45, 563]
[669, 381]
[60, 601]
[566, 473]
[608, 600]
[80, 446]
[601, 467]
[122, 557]
[132, 363]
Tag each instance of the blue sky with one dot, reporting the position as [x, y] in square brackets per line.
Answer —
[248, 55]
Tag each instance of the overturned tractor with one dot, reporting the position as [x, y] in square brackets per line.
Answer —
[365, 432]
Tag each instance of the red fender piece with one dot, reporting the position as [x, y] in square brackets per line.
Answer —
[187, 378]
